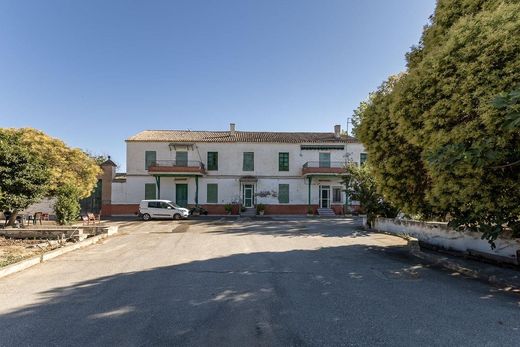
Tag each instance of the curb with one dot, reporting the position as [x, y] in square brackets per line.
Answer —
[438, 260]
[27, 263]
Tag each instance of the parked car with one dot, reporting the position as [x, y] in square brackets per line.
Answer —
[149, 209]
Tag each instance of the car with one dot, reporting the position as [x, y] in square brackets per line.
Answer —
[149, 209]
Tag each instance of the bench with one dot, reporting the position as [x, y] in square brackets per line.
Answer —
[91, 218]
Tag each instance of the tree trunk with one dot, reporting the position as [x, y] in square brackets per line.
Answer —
[12, 219]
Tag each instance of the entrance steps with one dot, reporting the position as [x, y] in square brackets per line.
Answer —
[249, 212]
[327, 212]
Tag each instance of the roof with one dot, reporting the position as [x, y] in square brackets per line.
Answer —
[188, 136]
[108, 162]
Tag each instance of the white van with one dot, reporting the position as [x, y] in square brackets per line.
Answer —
[149, 209]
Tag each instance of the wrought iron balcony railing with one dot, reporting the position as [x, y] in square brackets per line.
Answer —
[177, 166]
[323, 167]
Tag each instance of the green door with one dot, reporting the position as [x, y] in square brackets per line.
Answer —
[248, 195]
[181, 194]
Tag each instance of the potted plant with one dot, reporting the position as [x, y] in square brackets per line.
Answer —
[260, 209]
[242, 209]
[228, 208]
[310, 211]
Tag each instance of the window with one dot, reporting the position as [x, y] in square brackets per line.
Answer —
[212, 191]
[283, 193]
[362, 158]
[165, 205]
[336, 194]
[283, 161]
[181, 158]
[324, 159]
[149, 158]
[249, 161]
[213, 161]
[149, 192]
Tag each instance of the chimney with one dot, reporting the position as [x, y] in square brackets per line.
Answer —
[232, 129]
[337, 131]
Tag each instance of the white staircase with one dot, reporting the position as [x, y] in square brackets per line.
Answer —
[326, 212]
[249, 212]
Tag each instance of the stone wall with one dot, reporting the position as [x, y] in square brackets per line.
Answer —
[439, 234]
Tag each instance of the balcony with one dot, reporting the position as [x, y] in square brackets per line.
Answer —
[325, 168]
[189, 167]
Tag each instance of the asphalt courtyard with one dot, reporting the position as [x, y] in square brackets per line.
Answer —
[247, 282]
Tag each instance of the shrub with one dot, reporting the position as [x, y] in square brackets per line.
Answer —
[67, 206]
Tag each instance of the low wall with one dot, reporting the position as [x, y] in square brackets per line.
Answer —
[439, 234]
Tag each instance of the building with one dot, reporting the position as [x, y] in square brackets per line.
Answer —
[288, 172]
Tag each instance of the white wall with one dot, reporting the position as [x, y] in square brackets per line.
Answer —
[45, 206]
[441, 235]
[230, 156]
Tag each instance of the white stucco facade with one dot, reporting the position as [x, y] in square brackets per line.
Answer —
[230, 176]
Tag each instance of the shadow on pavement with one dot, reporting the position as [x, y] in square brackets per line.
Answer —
[331, 296]
[296, 228]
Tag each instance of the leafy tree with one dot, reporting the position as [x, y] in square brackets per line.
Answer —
[69, 166]
[360, 185]
[460, 140]
[23, 177]
[65, 167]
[67, 205]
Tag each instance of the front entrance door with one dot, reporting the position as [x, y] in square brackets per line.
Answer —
[181, 194]
[248, 195]
[324, 196]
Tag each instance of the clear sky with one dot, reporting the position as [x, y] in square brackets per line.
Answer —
[95, 72]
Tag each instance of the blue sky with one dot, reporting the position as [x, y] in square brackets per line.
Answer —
[96, 72]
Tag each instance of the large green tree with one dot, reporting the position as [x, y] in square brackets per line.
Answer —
[24, 177]
[446, 125]
[70, 173]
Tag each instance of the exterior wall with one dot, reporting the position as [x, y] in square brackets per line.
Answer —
[45, 206]
[230, 156]
[441, 235]
[230, 160]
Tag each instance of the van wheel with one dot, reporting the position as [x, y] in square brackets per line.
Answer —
[176, 216]
[146, 216]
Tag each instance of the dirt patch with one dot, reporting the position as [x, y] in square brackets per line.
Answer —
[15, 250]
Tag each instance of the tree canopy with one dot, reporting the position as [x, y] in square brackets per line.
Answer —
[443, 137]
[34, 165]
[23, 177]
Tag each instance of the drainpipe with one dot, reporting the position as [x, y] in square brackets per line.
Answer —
[196, 190]
[158, 183]
[310, 180]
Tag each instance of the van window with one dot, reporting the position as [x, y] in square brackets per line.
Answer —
[154, 204]
[165, 205]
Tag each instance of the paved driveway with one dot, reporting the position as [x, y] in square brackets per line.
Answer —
[248, 282]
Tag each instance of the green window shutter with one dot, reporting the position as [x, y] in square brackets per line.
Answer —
[324, 159]
[149, 158]
[283, 193]
[283, 161]
[212, 191]
[249, 161]
[362, 158]
[213, 161]
[149, 191]
[181, 158]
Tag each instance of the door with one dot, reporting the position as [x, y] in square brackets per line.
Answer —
[325, 160]
[324, 196]
[181, 194]
[248, 195]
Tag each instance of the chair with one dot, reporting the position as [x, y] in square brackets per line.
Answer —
[38, 216]
[93, 218]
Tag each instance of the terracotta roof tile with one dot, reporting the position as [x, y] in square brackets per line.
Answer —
[239, 136]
